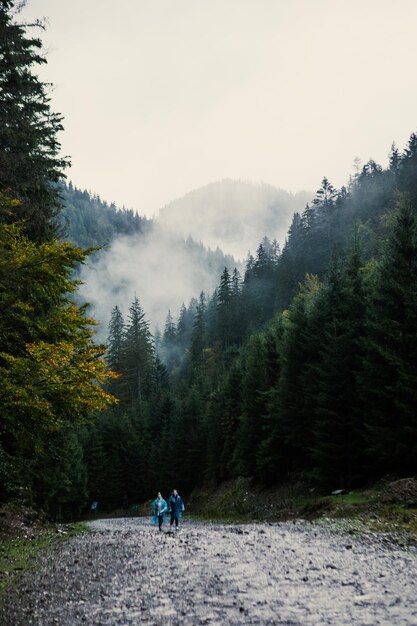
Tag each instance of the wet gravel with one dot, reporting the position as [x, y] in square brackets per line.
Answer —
[126, 572]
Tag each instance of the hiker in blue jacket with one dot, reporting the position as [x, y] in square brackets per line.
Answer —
[159, 507]
[175, 507]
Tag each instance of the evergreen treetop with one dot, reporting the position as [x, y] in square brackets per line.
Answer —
[29, 148]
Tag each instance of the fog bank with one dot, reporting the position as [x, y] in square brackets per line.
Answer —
[161, 268]
[234, 214]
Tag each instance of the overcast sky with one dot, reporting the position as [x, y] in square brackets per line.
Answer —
[163, 96]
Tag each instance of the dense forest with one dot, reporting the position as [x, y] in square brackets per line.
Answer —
[304, 367]
[88, 222]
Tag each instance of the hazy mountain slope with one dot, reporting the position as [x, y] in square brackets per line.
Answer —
[161, 268]
[233, 214]
[158, 260]
[88, 221]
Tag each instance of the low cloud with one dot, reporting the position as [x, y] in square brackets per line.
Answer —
[186, 250]
[234, 215]
[161, 268]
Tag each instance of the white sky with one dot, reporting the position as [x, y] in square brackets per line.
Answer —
[163, 96]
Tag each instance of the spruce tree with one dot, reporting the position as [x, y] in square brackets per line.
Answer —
[169, 348]
[115, 340]
[389, 382]
[338, 442]
[169, 335]
[292, 402]
[138, 353]
[224, 313]
[115, 353]
[254, 402]
[198, 333]
[29, 148]
[236, 315]
[407, 169]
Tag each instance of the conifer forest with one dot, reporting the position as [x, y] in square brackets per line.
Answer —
[302, 366]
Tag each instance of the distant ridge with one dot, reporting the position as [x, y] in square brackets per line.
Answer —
[234, 214]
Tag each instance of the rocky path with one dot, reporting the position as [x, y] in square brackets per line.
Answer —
[126, 572]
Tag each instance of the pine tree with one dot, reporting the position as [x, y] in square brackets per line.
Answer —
[224, 297]
[115, 353]
[407, 169]
[198, 333]
[259, 292]
[61, 478]
[292, 265]
[269, 466]
[29, 148]
[292, 401]
[338, 443]
[169, 349]
[169, 335]
[115, 340]
[182, 330]
[324, 235]
[325, 196]
[236, 316]
[186, 322]
[187, 442]
[138, 353]
[254, 401]
[389, 383]
[394, 160]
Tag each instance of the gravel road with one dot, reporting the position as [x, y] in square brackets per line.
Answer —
[126, 572]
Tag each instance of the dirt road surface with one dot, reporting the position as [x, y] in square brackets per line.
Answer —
[126, 572]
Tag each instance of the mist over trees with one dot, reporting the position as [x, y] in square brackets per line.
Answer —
[233, 214]
[187, 245]
[299, 366]
[304, 367]
[160, 265]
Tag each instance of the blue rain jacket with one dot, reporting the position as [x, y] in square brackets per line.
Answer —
[164, 508]
[176, 506]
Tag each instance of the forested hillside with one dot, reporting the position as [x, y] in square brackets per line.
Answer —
[87, 221]
[305, 367]
[126, 242]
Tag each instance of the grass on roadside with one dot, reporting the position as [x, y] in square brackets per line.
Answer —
[361, 510]
[19, 555]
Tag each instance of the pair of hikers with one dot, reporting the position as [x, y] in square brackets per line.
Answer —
[175, 507]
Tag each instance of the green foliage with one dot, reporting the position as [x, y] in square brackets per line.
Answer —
[290, 411]
[303, 370]
[51, 370]
[306, 367]
[302, 395]
[60, 475]
[88, 222]
[29, 154]
[255, 385]
[338, 442]
[389, 381]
